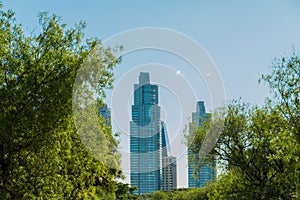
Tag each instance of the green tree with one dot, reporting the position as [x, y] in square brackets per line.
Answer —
[284, 84]
[124, 192]
[259, 146]
[256, 145]
[158, 195]
[42, 155]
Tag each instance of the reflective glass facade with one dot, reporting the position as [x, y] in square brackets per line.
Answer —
[169, 173]
[145, 137]
[207, 171]
[169, 163]
[104, 111]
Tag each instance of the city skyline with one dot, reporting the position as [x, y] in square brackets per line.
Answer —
[151, 165]
[145, 93]
[241, 37]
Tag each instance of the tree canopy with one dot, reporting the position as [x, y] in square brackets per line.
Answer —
[259, 146]
[42, 155]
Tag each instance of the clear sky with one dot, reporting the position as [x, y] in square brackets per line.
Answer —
[241, 37]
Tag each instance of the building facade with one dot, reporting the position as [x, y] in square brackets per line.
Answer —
[105, 113]
[169, 173]
[198, 177]
[148, 138]
[145, 137]
[169, 163]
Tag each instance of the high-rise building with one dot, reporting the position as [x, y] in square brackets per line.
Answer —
[104, 112]
[145, 137]
[148, 139]
[169, 173]
[169, 163]
[198, 177]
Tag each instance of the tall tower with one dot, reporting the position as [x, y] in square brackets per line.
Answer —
[104, 111]
[206, 172]
[145, 137]
[169, 163]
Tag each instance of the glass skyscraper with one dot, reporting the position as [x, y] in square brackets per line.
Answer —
[104, 111]
[148, 140]
[169, 163]
[169, 173]
[145, 137]
[206, 172]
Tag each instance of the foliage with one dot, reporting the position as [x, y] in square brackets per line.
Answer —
[158, 195]
[179, 194]
[284, 84]
[42, 155]
[259, 146]
[125, 192]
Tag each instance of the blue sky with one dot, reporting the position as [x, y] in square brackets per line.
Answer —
[242, 37]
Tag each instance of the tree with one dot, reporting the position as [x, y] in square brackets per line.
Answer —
[42, 155]
[125, 192]
[256, 145]
[158, 195]
[259, 146]
[284, 85]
